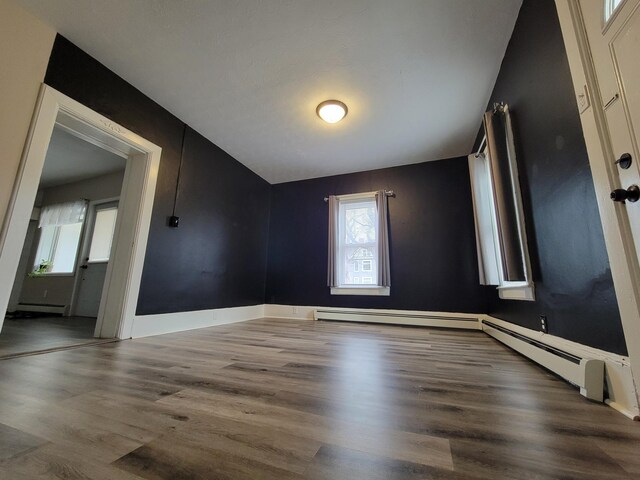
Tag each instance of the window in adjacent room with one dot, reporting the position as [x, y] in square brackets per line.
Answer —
[60, 232]
[358, 244]
[102, 236]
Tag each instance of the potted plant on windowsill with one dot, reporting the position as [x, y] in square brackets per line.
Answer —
[44, 267]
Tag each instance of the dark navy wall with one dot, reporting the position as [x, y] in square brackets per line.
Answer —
[432, 244]
[217, 257]
[571, 268]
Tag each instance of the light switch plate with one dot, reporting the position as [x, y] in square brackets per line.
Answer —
[583, 99]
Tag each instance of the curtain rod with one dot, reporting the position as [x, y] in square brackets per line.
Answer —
[388, 193]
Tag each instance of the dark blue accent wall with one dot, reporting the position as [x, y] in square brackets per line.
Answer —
[217, 257]
[571, 267]
[432, 240]
[242, 241]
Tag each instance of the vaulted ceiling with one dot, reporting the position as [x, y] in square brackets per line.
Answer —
[248, 74]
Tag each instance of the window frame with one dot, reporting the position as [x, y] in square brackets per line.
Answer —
[508, 290]
[610, 12]
[100, 207]
[53, 248]
[356, 289]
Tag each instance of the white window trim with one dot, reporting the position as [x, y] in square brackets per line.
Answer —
[72, 273]
[363, 289]
[513, 290]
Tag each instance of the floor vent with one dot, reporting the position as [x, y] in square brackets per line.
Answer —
[586, 373]
[468, 322]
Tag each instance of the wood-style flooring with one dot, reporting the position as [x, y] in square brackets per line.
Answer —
[289, 399]
[36, 334]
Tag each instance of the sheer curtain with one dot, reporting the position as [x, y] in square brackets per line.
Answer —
[63, 214]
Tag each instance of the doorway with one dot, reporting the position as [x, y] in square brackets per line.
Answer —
[95, 256]
[78, 180]
[87, 250]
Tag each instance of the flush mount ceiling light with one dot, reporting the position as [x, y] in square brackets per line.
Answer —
[332, 111]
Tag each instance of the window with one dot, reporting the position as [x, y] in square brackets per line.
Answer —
[610, 6]
[58, 248]
[102, 236]
[60, 229]
[358, 244]
[503, 257]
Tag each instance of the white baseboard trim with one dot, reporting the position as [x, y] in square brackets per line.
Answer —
[148, 325]
[33, 307]
[465, 321]
[617, 370]
[293, 312]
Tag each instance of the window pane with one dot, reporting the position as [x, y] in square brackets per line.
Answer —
[66, 248]
[357, 242]
[610, 7]
[360, 223]
[102, 237]
[45, 247]
[356, 260]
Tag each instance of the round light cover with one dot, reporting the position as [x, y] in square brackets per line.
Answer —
[332, 111]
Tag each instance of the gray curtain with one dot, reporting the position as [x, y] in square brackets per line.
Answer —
[384, 275]
[332, 273]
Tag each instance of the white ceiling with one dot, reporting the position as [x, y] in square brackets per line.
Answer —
[71, 159]
[248, 74]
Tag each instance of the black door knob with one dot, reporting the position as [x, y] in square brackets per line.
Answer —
[621, 195]
[624, 161]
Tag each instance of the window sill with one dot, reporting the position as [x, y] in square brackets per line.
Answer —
[54, 274]
[379, 291]
[524, 292]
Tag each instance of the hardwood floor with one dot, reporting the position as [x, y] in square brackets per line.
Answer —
[288, 399]
[35, 334]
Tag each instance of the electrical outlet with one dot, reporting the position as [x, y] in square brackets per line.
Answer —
[296, 310]
[544, 325]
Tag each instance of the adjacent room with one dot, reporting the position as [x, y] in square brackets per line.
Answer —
[57, 289]
[320, 240]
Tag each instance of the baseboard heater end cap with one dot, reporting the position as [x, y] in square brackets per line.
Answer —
[593, 388]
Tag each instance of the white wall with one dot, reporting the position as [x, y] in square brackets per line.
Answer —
[26, 45]
[95, 188]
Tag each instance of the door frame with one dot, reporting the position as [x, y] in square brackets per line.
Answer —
[83, 250]
[617, 231]
[124, 273]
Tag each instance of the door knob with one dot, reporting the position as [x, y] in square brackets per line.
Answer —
[624, 161]
[621, 195]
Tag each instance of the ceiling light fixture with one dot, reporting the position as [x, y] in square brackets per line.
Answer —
[332, 111]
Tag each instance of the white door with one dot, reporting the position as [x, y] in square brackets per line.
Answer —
[97, 252]
[603, 44]
[613, 29]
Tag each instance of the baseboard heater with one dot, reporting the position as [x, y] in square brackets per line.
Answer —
[586, 373]
[398, 318]
[41, 307]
